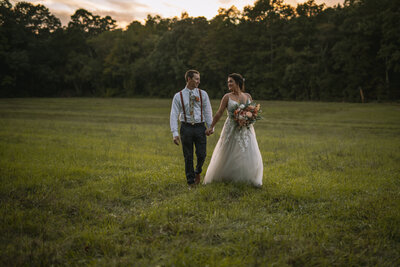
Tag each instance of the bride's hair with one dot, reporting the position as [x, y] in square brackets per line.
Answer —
[239, 80]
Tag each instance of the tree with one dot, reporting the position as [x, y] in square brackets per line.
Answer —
[389, 51]
[174, 53]
[24, 35]
[91, 24]
[36, 18]
[307, 52]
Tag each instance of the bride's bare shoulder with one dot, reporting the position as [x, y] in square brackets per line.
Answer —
[249, 96]
[225, 100]
[226, 96]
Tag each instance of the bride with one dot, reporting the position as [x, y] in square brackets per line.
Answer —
[236, 156]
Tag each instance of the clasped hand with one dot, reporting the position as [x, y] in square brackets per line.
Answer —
[209, 131]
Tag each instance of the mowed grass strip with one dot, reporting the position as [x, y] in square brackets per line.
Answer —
[99, 181]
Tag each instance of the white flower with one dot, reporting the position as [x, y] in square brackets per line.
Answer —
[241, 106]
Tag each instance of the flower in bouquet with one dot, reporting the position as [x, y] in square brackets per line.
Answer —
[246, 114]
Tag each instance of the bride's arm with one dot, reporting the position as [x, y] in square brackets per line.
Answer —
[222, 107]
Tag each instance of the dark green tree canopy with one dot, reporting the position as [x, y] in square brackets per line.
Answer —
[306, 52]
[92, 24]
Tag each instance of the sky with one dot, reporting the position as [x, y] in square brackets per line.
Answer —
[126, 11]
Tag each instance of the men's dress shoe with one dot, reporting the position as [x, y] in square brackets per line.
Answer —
[197, 179]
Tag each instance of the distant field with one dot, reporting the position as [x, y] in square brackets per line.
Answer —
[99, 181]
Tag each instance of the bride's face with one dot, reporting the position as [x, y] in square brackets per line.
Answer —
[232, 85]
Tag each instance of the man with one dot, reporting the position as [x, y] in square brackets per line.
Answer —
[193, 109]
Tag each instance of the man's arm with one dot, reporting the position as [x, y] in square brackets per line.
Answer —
[173, 119]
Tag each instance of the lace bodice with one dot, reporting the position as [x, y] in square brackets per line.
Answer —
[230, 130]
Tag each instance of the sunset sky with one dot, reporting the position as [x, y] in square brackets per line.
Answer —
[125, 11]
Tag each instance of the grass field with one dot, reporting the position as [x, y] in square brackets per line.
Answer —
[99, 182]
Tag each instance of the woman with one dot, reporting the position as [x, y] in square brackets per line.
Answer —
[236, 156]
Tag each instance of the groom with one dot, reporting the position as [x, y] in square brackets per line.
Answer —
[193, 109]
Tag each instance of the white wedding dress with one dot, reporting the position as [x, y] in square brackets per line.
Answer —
[236, 156]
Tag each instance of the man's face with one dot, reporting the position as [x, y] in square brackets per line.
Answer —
[195, 81]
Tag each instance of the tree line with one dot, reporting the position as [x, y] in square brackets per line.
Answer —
[308, 52]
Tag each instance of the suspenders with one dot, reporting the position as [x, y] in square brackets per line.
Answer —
[183, 105]
[201, 105]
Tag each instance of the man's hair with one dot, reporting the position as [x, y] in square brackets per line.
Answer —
[190, 74]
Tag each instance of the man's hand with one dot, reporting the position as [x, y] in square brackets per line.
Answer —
[177, 140]
[209, 131]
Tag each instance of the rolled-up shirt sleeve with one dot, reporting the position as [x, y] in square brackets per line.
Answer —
[207, 110]
[173, 118]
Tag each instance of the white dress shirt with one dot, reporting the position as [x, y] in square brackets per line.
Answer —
[177, 112]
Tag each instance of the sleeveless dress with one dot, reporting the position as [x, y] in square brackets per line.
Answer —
[236, 157]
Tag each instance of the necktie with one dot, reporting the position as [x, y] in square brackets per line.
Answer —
[191, 105]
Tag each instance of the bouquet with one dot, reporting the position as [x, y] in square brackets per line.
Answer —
[246, 114]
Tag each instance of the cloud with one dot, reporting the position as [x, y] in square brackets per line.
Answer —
[64, 16]
[123, 18]
[123, 11]
[125, 5]
[225, 2]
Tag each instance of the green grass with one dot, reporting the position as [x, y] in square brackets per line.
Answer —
[99, 182]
